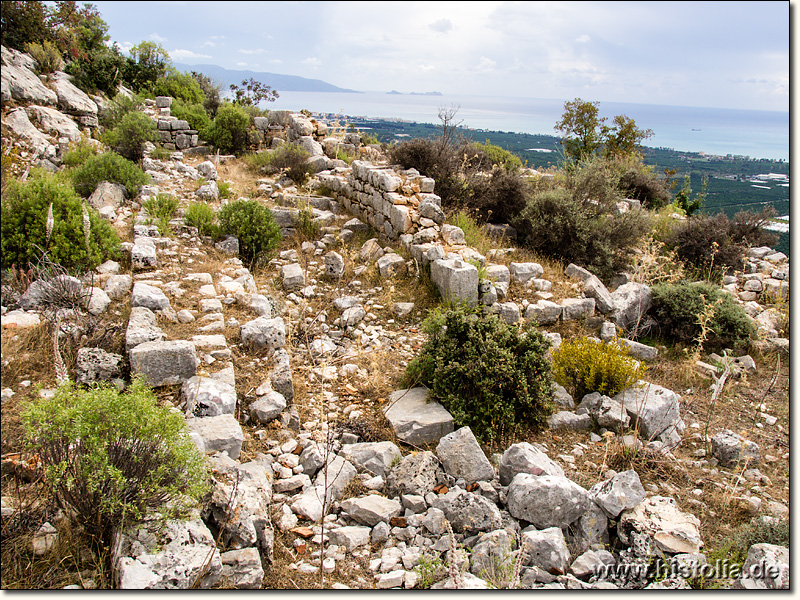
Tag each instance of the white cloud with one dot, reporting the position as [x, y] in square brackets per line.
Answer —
[442, 25]
[426, 67]
[157, 38]
[584, 39]
[485, 65]
[181, 54]
[253, 51]
[313, 61]
[275, 61]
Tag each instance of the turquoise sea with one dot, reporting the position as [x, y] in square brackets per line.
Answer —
[720, 131]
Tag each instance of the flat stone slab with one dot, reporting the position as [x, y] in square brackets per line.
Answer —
[218, 434]
[414, 419]
[164, 363]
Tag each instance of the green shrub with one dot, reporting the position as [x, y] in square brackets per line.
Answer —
[484, 372]
[500, 156]
[79, 152]
[98, 71]
[228, 132]
[677, 309]
[194, 114]
[120, 106]
[24, 225]
[499, 198]
[47, 56]
[640, 183]
[129, 137]
[254, 226]
[368, 139]
[111, 167]
[225, 189]
[757, 532]
[161, 209]
[557, 224]
[202, 216]
[584, 366]
[180, 86]
[110, 457]
[292, 159]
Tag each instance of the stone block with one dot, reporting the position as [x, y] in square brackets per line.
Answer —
[456, 280]
[164, 363]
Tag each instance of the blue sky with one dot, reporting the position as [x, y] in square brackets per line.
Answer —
[714, 54]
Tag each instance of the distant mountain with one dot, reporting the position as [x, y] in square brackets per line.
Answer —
[281, 83]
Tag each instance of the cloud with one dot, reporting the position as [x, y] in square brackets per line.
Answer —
[442, 25]
[584, 39]
[485, 65]
[181, 54]
[313, 61]
[254, 51]
[157, 38]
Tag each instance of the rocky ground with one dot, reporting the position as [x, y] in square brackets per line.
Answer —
[328, 472]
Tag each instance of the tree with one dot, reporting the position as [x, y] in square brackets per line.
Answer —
[580, 126]
[624, 137]
[252, 92]
[212, 90]
[584, 132]
[147, 64]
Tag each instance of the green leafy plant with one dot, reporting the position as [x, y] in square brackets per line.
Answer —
[161, 209]
[257, 162]
[79, 152]
[47, 56]
[254, 226]
[131, 135]
[110, 167]
[500, 156]
[225, 189]
[430, 569]
[181, 86]
[120, 106]
[194, 114]
[484, 372]
[368, 139]
[292, 159]
[228, 132]
[202, 216]
[24, 225]
[306, 228]
[677, 308]
[111, 456]
[584, 366]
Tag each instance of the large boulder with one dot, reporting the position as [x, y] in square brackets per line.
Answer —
[672, 530]
[468, 513]
[218, 434]
[375, 457]
[142, 327]
[415, 474]
[622, 492]
[654, 412]
[525, 458]
[416, 420]
[263, 333]
[547, 500]
[766, 568]
[730, 449]
[462, 457]
[73, 101]
[53, 122]
[546, 549]
[207, 397]
[148, 296]
[371, 510]
[178, 554]
[21, 84]
[18, 124]
[95, 364]
[631, 302]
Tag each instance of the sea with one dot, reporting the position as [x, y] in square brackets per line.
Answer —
[715, 131]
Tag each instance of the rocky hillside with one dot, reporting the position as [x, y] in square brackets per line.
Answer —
[326, 470]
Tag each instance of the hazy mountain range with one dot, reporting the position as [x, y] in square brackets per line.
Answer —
[281, 83]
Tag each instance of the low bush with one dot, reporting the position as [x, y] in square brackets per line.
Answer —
[202, 216]
[194, 114]
[254, 226]
[161, 209]
[498, 198]
[500, 156]
[47, 56]
[225, 189]
[131, 135]
[677, 309]
[757, 532]
[180, 86]
[641, 184]
[584, 366]
[110, 167]
[228, 131]
[291, 159]
[120, 106]
[484, 372]
[98, 71]
[79, 152]
[556, 224]
[25, 210]
[111, 457]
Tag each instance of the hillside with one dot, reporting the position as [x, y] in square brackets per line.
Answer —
[351, 440]
[287, 83]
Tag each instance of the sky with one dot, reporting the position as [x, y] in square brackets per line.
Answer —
[710, 54]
